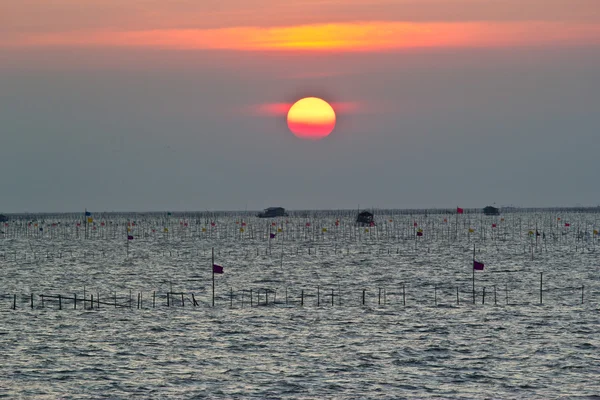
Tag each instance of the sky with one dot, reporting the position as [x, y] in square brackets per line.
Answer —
[147, 105]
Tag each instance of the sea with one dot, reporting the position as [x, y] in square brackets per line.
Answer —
[310, 305]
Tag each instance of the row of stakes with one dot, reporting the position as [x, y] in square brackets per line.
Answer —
[173, 297]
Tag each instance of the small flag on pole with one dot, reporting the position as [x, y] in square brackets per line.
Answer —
[459, 210]
[419, 233]
[87, 213]
[217, 269]
[90, 220]
[567, 224]
[477, 265]
[272, 235]
[129, 237]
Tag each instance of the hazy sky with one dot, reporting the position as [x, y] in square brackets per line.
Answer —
[180, 105]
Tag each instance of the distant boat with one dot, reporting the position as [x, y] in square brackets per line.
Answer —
[273, 212]
[364, 218]
[489, 210]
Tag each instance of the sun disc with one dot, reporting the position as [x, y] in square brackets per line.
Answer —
[311, 118]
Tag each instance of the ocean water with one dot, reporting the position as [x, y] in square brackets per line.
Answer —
[410, 338]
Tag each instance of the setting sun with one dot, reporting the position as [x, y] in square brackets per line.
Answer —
[311, 118]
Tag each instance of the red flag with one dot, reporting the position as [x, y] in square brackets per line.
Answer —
[415, 224]
[419, 233]
[477, 265]
[493, 225]
[459, 210]
[217, 269]
[567, 224]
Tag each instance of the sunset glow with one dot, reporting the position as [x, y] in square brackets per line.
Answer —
[348, 36]
[311, 118]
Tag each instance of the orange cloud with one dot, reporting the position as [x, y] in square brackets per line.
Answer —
[360, 36]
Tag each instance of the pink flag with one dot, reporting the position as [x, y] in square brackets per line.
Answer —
[217, 269]
[459, 210]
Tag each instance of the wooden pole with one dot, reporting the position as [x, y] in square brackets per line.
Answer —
[541, 283]
[318, 297]
[473, 267]
[495, 299]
